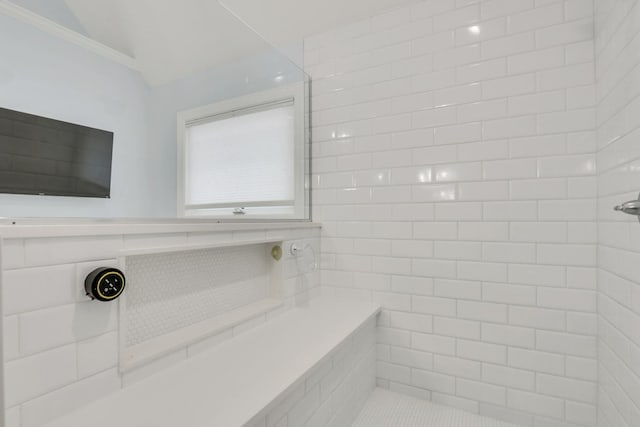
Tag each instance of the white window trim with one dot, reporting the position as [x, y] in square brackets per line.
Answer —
[295, 91]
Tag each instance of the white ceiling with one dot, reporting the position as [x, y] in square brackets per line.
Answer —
[281, 21]
[168, 39]
[171, 39]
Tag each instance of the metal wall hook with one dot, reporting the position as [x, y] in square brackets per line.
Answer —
[631, 207]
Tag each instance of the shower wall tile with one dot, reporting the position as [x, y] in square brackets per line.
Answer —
[617, 69]
[455, 177]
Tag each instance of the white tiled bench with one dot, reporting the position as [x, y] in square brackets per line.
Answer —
[312, 366]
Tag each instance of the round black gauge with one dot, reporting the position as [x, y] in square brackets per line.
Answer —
[104, 284]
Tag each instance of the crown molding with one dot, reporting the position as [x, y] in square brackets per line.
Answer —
[64, 33]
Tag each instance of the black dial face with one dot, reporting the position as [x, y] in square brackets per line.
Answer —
[110, 285]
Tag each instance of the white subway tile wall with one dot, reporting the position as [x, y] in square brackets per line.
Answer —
[61, 350]
[617, 47]
[454, 174]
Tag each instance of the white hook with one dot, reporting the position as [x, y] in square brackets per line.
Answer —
[298, 250]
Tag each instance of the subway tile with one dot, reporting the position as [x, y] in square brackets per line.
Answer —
[411, 322]
[72, 397]
[434, 155]
[97, 354]
[481, 71]
[538, 318]
[412, 358]
[564, 343]
[480, 31]
[547, 232]
[536, 60]
[433, 268]
[481, 231]
[433, 343]
[457, 18]
[508, 86]
[495, 8]
[54, 327]
[52, 251]
[539, 145]
[11, 338]
[536, 403]
[481, 351]
[537, 103]
[568, 121]
[457, 367]
[568, 299]
[576, 165]
[455, 57]
[540, 189]
[490, 190]
[33, 376]
[459, 289]
[456, 134]
[509, 169]
[537, 361]
[508, 128]
[483, 110]
[427, 9]
[508, 335]
[481, 391]
[458, 250]
[565, 77]
[482, 311]
[568, 32]
[509, 45]
[566, 388]
[414, 138]
[509, 252]
[509, 293]
[578, 255]
[459, 328]
[433, 43]
[536, 18]
[508, 377]
[489, 150]
[433, 305]
[433, 381]
[36, 288]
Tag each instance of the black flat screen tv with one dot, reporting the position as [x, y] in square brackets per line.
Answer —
[48, 157]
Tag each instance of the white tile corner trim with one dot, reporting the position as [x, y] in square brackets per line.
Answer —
[311, 366]
[454, 147]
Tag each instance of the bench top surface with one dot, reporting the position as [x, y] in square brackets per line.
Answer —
[234, 381]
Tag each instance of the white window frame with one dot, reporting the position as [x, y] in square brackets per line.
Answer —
[230, 108]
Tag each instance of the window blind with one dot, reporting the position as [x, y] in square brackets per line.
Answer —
[244, 157]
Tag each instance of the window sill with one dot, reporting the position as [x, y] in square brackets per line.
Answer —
[68, 227]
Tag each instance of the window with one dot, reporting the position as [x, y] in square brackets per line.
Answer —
[244, 157]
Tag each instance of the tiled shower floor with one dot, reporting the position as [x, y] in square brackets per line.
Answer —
[388, 409]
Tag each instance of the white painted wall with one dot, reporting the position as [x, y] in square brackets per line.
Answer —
[454, 175]
[617, 46]
[42, 75]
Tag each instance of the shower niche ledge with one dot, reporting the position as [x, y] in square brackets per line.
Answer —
[178, 296]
